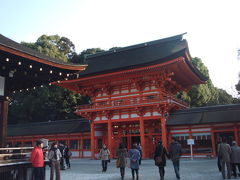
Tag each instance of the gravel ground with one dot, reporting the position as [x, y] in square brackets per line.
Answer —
[85, 169]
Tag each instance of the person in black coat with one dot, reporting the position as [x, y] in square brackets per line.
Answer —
[68, 154]
[161, 152]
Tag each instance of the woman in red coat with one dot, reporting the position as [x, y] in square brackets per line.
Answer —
[37, 160]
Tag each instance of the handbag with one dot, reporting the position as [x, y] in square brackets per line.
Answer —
[158, 159]
[118, 163]
[109, 160]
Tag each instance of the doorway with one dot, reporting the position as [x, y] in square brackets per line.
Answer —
[135, 139]
[219, 135]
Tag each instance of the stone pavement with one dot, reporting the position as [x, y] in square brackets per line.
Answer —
[85, 169]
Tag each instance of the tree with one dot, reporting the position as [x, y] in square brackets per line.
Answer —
[82, 56]
[54, 46]
[49, 102]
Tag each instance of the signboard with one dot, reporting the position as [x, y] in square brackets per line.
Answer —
[190, 141]
[2, 82]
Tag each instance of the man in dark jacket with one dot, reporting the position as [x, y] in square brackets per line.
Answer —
[224, 151]
[235, 158]
[175, 152]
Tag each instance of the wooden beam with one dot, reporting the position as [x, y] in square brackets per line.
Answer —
[3, 122]
[92, 140]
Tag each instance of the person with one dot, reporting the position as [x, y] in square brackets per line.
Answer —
[224, 151]
[139, 147]
[218, 156]
[37, 161]
[68, 154]
[62, 160]
[54, 157]
[122, 155]
[161, 152]
[175, 152]
[134, 156]
[105, 157]
[235, 158]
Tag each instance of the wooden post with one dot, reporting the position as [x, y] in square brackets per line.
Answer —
[213, 143]
[3, 121]
[164, 132]
[110, 137]
[236, 134]
[142, 137]
[92, 140]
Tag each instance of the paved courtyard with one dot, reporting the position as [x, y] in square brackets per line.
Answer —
[85, 169]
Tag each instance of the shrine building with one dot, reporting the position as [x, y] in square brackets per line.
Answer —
[132, 93]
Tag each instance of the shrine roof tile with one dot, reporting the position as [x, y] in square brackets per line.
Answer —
[140, 55]
[205, 115]
[52, 127]
[6, 42]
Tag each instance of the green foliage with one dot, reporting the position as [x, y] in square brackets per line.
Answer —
[43, 104]
[205, 94]
[54, 46]
[50, 102]
[82, 56]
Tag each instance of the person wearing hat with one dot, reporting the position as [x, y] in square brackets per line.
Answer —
[175, 152]
[160, 153]
[37, 160]
[235, 158]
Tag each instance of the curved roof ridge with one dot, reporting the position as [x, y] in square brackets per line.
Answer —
[120, 49]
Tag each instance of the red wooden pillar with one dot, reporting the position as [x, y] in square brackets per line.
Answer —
[236, 133]
[164, 131]
[142, 137]
[110, 137]
[3, 122]
[213, 143]
[92, 140]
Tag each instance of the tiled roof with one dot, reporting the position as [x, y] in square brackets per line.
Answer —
[206, 115]
[53, 127]
[4, 41]
[139, 55]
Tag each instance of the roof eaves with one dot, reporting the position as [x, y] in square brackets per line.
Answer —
[172, 38]
[36, 54]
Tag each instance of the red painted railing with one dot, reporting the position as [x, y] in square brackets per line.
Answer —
[132, 101]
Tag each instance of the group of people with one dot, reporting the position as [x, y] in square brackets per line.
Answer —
[58, 156]
[134, 155]
[174, 153]
[228, 156]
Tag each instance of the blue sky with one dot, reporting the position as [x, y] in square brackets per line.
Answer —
[212, 26]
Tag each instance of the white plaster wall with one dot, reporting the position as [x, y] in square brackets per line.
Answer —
[104, 118]
[148, 114]
[133, 90]
[116, 117]
[87, 153]
[97, 118]
[125, 91]
[116, 92]
[183, 130]
[134, 115]
[75, 153]
[155, 113]
[124, 116]
[202, 129]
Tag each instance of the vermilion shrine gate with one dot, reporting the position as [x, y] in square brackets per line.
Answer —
[132, 91]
